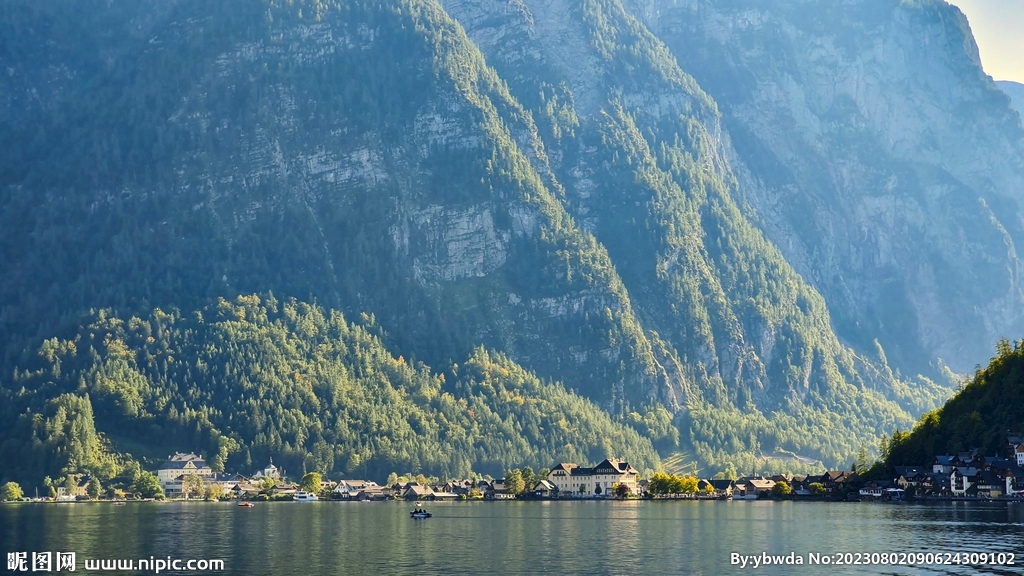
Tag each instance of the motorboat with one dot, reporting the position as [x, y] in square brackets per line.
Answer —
[246, 504]
[301, 496]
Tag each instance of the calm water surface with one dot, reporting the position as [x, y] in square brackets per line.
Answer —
[592, 537]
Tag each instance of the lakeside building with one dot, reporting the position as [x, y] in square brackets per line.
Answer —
[571, 479]
[171, 474]
[269, 471]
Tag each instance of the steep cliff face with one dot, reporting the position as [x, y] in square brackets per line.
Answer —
[540, 178]
[1015, 90]
[371, 160]
[877, 156]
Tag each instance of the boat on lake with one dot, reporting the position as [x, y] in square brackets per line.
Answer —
[301, 496]
[246, 504]
[419, 512]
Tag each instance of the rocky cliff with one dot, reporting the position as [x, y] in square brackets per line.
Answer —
[750, 217]
[877, 156]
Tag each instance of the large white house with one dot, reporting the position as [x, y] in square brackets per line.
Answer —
[597, 481]
[173, 471]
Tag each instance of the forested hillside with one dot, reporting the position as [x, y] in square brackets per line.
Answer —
[543, 181]
[251, 379]
[981, 415]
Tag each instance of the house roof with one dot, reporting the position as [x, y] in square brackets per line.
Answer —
[613, 466]
[565, 467]
[944, 460]
[721, 484]
[908, 471]
[180, 461]
[989, 478]
[544, 485]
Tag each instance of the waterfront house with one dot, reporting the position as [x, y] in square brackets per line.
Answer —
[642, 486]
[909, 476]
[284, 489]
[961, 479]
[350, 489]
[171, 473]
[77, 486]
[561, 477]
[723, 487]
[989, 484]
[799, 485]
[498, 491]
[574, 480]
[879, 489]
[1018, 454]
[227, 482]
[545, 489]
[943, 464]
[244, 489]
[970, 459]
[755, 487]
[413, 491]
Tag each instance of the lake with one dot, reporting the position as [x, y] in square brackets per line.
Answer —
[592, 537]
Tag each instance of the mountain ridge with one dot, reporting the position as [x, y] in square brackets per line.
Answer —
[564, 183]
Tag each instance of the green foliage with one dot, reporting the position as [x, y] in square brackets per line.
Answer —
[147, 485]
[989, 406]
[816, 488]
[11, 491]
[214, 491]
[663, 484]
[782, 490]
[311, 482]
[192, 485]
[256, 378]
[145, 179]
[94, 488]
[514, 483]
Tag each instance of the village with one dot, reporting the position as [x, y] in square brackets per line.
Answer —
[965, 475]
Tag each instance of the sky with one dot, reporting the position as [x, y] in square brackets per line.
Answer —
[998, 27]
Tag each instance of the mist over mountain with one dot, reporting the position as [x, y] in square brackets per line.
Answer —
[731, 245]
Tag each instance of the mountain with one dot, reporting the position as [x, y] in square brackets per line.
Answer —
[981, 415]
[256, 378]
[603, 195]
[877, 156]
[1015, 90]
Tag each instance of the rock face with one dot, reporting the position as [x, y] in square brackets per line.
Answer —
[1015, 90]
[729, 214]
[877, 156]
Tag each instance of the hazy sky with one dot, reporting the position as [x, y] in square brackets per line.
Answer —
[998, 27]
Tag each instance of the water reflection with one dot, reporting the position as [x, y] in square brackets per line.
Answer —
[516, 537]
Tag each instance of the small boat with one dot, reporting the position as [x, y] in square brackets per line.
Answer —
[120, 503]
[419, 512]
[301, 496]
[246, 504]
